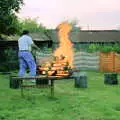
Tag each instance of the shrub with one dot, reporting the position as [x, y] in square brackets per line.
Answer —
[104, 48]
[93, 48]
[116, 48]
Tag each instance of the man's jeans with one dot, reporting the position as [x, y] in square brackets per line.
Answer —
[26, 61]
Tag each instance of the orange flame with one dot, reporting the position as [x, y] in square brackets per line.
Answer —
[65, 46]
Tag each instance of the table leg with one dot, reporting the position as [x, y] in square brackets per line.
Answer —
[52, 88]
[21, 87]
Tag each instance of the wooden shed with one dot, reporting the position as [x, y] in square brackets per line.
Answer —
[83, 38]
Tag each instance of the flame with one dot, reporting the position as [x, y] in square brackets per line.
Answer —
[65, 47]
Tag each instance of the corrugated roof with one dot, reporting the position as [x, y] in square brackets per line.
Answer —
[77, 36]
[39, 36]
[35, 36]
[91, 36]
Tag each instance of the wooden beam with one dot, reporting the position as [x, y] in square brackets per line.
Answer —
[40, 77]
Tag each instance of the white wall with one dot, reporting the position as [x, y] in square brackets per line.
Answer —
[86, 61]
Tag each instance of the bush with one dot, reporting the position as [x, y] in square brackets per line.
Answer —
[93, 48]
[104, 48]
[116, 48]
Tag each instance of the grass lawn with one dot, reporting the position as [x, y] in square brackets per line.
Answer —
[97, 102]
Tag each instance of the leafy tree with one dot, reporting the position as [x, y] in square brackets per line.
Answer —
[32, 25]
[8, 19]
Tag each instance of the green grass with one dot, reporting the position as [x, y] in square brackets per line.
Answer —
[97, 102]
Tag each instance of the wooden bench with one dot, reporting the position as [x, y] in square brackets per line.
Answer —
[77, 76]
[50, 84]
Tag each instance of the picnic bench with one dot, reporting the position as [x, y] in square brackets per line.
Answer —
[50, 83]
[79, 77]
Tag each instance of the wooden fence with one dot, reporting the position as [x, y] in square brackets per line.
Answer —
[117, 63]
[110, 62]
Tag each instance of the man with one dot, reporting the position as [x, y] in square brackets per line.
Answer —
[26, 59]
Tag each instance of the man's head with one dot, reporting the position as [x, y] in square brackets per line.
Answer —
[25, 32]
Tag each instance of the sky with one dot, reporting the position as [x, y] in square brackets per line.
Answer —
[89, 14]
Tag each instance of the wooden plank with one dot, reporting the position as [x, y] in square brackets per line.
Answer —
[39, 77]
[51, 78]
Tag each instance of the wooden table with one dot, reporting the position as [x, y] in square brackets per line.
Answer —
[40, 77]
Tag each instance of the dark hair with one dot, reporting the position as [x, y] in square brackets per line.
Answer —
[25, 32]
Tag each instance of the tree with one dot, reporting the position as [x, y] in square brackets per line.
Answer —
[8, 19]
[32, 25]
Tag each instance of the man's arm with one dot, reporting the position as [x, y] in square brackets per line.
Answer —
[35, 46]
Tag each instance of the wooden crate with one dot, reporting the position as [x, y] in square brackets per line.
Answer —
[117, 63]
[107, 62]
[110, 62]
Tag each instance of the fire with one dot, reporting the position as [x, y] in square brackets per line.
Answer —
[65, 46]
[63, 56]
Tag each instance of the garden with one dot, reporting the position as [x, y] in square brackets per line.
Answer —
[97, 102]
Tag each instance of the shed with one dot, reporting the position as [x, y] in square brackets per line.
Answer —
[86, 37]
